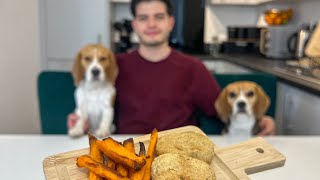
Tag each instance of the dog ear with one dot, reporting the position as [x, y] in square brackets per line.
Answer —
[77, 70]
[112, 70]
[222, 106]
[262, 103]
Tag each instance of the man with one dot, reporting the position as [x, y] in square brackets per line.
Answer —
[159, 87]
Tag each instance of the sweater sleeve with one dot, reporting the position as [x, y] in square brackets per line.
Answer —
[205, 90]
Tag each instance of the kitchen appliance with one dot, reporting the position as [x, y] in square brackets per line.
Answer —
[243, 33]
[297, 42]
[273, 41]
[242, 39]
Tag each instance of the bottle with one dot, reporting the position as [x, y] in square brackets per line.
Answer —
[214, 47]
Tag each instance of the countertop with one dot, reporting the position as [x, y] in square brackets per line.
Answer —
[22, 155]
[276, 67]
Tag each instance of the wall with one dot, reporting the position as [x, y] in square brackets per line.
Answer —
[67, 26]
[309, 11]
[218, 17]
[236, 15]
[19, 66]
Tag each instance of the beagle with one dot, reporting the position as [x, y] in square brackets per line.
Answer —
[240, 105]
[94, 72]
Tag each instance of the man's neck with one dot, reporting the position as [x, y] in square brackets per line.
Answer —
[154, 53]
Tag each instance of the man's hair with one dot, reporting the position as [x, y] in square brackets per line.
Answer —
[134, 4]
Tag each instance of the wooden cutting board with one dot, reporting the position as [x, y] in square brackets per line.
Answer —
[230, 163]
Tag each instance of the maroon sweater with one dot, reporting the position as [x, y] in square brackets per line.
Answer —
[163, 94]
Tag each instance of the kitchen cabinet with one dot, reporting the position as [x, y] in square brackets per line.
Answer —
[298, 111]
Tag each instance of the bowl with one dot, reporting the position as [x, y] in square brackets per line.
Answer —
[277, 16]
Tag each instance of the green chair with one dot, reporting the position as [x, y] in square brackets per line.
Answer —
[56, 101]
[267, 81]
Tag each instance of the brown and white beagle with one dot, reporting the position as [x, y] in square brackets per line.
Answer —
[240, 105]
[94, 72]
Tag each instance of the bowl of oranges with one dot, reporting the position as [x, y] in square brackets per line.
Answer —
[275, 17]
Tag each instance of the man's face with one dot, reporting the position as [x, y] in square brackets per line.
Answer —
[152, 23]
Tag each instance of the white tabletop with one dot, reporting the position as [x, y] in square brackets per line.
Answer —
[22, 155]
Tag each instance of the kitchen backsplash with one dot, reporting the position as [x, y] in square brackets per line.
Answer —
[309, 11]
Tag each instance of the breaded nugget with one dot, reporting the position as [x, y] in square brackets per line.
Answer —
[187, 143]
[177, 167]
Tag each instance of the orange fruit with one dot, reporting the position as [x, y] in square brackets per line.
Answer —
[277, 21]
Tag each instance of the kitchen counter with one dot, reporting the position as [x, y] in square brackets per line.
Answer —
[22, 155]
[276, 67]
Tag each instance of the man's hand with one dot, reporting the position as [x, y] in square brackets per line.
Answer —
[267, 126]
[72, 120]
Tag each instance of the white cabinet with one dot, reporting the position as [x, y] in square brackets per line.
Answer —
[68, 25]
[298, 111]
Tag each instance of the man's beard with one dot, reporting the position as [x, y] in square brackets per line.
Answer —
[154, 43]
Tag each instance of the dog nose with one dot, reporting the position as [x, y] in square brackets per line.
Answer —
[95, 72]
[241, 104]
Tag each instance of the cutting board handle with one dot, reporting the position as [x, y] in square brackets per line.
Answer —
[249, 157]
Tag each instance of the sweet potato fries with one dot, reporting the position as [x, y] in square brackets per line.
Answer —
[150, 154]
[138, 175]
[111, 160]
[96, 155]
[98, 168]
[119, 154]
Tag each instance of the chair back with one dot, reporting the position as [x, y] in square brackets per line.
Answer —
[56, 101]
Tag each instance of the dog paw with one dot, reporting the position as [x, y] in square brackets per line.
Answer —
[102, 133]
[76, 132]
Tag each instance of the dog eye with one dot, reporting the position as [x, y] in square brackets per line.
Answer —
[103, 59]
[232, 95]
[87, 58]
[250, 94]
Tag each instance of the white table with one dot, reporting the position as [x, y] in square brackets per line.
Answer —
[22, 155]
